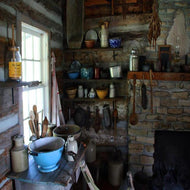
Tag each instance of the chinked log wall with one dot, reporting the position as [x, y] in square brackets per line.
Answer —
[48, 14]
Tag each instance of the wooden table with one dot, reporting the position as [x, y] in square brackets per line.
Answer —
[62, 178]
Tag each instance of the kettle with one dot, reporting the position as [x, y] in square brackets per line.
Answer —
[71, 146]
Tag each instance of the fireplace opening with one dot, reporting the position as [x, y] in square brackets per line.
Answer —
[171, 168]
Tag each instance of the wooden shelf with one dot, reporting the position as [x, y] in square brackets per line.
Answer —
[92, 49]
[159, 76]
[15, 84]
[121, 98]
[120, 80]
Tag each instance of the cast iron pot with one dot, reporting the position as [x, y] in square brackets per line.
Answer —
[47, 153]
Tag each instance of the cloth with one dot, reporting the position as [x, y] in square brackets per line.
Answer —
[57, 114]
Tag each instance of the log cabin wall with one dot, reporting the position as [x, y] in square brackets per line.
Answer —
[49, 15]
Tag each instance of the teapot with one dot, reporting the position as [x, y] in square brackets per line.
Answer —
[92, 93]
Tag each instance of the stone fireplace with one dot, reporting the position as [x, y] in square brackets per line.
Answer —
[171, 169]
[171, 110]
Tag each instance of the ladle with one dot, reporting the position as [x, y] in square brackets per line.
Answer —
[133, 117]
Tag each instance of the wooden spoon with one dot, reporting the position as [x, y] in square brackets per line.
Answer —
[36, 119]
[133, 117]
[44, 127]
[151, 98]
[115, 115]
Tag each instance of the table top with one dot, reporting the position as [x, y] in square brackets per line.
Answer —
[64, 175]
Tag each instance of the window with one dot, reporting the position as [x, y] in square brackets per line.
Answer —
[34, 68]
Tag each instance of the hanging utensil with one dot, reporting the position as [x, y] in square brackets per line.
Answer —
[144, 95]
[115, 115]
[44, 127]
[133, 117]
[31, 125]
[151, 98]
[36, 119]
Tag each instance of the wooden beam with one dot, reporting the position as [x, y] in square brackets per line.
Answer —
[159, 76]
[51, 5]
[33, 14]
[7, 16]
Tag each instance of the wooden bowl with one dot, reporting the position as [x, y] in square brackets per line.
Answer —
[71, 92]
[89, 43]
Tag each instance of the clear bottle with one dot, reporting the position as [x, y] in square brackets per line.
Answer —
[15, 65]
[133, 61]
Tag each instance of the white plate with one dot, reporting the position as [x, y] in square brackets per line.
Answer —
[91, 35]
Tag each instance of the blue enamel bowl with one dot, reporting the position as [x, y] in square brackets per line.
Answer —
[115, 42]
[47, 153]
[73, 74]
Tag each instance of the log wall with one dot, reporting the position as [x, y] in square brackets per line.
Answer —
[48, 14]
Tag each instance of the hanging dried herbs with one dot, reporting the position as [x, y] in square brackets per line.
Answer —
[155, 25]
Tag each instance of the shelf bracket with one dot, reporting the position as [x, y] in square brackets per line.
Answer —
[13, 102]
[114, 55]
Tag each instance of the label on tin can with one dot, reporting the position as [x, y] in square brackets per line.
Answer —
[15, 69]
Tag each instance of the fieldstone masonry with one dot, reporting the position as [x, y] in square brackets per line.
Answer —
[170, 102]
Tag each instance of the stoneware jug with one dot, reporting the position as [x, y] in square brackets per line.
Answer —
[71, 145]
[103, 35]
[19, 155]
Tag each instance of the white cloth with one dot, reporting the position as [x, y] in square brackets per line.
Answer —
[57, 114]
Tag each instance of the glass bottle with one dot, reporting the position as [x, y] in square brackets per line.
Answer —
[15, 65]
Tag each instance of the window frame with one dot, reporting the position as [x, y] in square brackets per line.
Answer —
[24, 19]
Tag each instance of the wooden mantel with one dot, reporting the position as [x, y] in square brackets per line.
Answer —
[159, 76]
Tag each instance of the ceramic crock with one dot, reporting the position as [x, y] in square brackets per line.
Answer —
[19, 155]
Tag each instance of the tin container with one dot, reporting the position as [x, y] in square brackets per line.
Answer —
[115, 71]
[133, 61]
